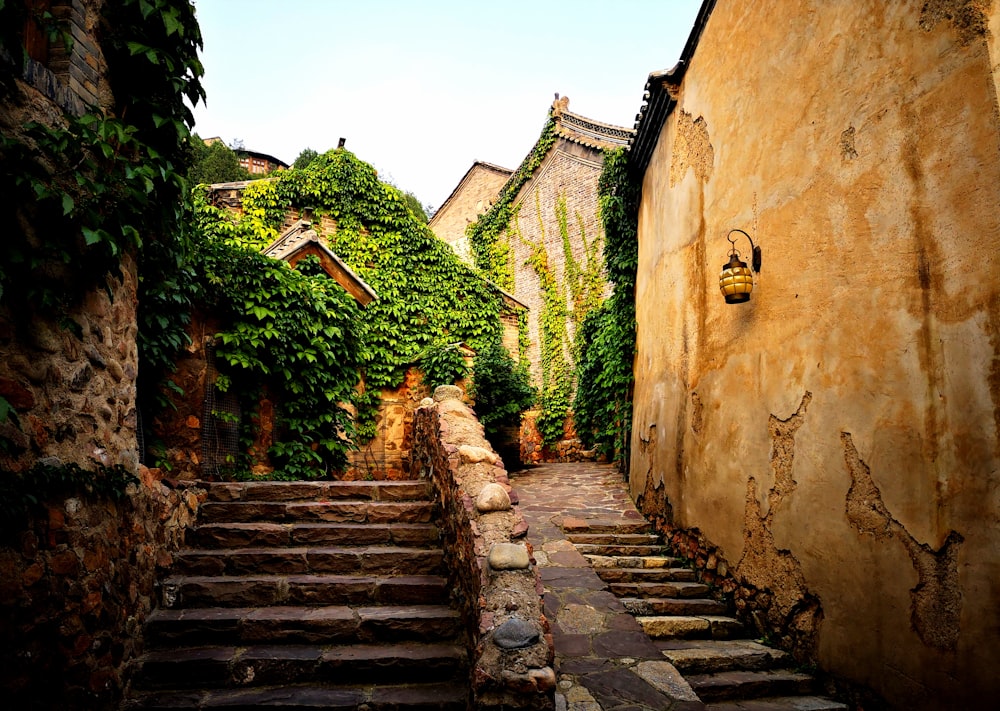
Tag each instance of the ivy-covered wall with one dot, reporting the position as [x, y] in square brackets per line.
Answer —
[543, 241]
[428, 303]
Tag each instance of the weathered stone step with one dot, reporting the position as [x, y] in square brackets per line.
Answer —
[732, 685]
[689, 626]
[428, 697]
[256, 534]
[621, 549]
[787, 703]
[678, 589]
[673, 606]
[644, 575]
[633, 539]
[317, 490]
[634, 561]
[367, 560]
[262, 590]
[713, 656]
[574, 526]
[228, 667]
[332, 624]
[317, 511]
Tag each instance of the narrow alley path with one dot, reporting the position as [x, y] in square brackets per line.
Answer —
[604, 659]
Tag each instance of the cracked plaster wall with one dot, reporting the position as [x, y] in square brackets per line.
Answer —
[835, 442]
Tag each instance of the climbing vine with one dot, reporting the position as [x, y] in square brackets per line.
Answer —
[603, 406]
[490, 250]
[428, 300]
[107, 182]
[285, 329]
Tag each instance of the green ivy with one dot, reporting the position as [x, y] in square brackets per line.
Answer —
[603, 405]
[442, 364]
[490, 249]
[427, 301]
[102, 184]
[284, 328]
[501, 388]
[556, 394]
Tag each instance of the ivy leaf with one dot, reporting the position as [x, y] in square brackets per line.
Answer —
[67, 204]
[92, 237]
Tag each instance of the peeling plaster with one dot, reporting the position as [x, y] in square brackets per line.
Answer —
[967, 17]
[765, 566]
[936, 601]
[692, 148]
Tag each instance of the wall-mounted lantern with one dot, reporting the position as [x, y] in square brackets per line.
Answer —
[736, 280]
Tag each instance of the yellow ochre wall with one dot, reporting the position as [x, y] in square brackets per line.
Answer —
[838, 437]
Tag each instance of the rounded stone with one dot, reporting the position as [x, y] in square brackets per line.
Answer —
[447, 392]
[474, 455]
[515, 633]
[509, 556]
[427, 402]
[492, 497]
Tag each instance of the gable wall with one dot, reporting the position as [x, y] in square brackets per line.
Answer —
[570, 170]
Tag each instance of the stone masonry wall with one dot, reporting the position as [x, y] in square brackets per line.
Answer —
[494, 579]
[75, 588]
[72, 384]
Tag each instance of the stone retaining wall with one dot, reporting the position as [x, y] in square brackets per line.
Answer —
[490, 563]
[76, 585]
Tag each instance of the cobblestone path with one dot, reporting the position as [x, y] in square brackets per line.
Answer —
[604, 660]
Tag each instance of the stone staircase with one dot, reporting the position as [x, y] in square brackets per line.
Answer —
[306, 595]
[711, 649]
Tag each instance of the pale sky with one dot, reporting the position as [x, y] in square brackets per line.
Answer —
[423, 88]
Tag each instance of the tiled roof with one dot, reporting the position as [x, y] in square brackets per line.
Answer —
[659, 100]
[300, 240]
[461, 183]
[588, 132]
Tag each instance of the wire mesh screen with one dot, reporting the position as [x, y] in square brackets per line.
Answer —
[220, 424]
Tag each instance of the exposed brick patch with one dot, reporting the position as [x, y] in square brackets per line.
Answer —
[969, 18]
[936, 601]
[692, 149]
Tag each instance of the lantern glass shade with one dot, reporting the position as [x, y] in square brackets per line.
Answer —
[736, 281]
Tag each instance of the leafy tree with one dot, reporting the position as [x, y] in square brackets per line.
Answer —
[416, 208]
[501, 388]
[215, 163]
[305, 158]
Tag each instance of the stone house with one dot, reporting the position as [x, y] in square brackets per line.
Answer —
[473, 196]
[831, 446]
[200, 429]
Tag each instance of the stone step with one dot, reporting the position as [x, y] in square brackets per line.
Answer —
[316, 511]
[332, 624]
[673, 606]
[618, 526]
[688, 626]
[317, 490]
[740, 685]
[367, 560]
[223, 667]
[621, 549]
[645, 575]
[705, 656]
[786, 703]
[427, 697]
[634, 561]
[678, 589]
[256, 534]
[633, 539]
[263, 590]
